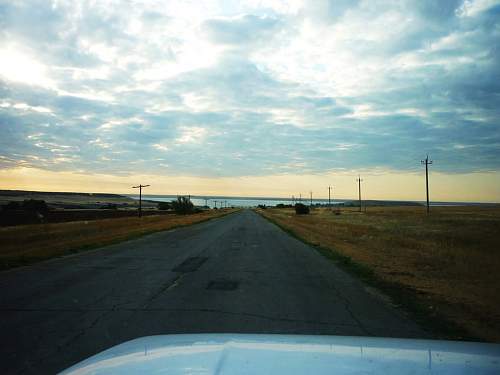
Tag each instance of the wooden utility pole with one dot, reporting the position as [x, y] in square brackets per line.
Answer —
[140, 196]
[329, 198]
[359, 191]
[311, 197]
[427, 162]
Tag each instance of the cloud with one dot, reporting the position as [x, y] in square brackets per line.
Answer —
[241, 30]
[244, 88]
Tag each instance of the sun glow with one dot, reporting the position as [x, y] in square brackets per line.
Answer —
[20, 67]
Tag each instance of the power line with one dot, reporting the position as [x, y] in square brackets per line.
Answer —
[359, 191]
[140, 196]
[426, 162]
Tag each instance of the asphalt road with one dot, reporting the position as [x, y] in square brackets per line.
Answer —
[238, 274]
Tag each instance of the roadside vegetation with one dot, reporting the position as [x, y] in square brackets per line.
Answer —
[444, 266]
[25, 244]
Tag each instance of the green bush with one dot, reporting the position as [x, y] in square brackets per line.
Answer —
[35, 205]
[301, 209]
[109, 206]
[164, 205]
[12, 206]
[182, 206]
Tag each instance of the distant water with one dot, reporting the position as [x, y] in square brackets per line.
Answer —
[231, 201]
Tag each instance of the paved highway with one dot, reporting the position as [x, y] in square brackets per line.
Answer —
[238, 274]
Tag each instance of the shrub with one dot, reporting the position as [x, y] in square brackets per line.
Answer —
[182, 206]
[35, 205]
[301, 209]
[164, 205]
[262, 206]
[109, 206]
[280, 205]
[12, 206]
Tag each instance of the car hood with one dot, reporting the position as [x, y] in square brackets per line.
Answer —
[290, 354]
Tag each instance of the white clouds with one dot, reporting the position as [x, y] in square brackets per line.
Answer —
[471, 8]
[261, 82]
[192, 135]
[25, 107]
[19, 66]
[160, 147]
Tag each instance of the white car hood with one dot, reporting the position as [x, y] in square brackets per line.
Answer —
[290, 354]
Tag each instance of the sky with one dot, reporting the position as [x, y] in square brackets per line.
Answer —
[252, 98]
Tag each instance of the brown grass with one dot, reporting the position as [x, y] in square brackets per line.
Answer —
[30, 243]
[450, 259]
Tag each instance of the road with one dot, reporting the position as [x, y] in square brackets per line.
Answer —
[238, 273]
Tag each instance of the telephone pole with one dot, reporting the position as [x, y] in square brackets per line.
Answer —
[311, 197]
[329, 199]
[215, 204]
[140, 196]
[426, 162]
[359, 191]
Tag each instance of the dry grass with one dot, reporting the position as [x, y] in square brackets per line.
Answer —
[450, 259]
[30, 243]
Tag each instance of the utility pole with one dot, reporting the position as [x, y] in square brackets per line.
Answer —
[329, 199]
[206, 200]
[215, 204]
[311, 197]
[140, 196]
[300, 197]
[293, 200]
[359, 191]
[427, 162]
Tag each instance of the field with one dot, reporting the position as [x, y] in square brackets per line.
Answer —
[447, 263]
[26, 244]
[71, 207]
[71, 200]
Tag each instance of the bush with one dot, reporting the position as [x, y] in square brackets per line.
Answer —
[182, 206]
[35, 205]
[164, 205]
[301, 209]
[109, 206]
[262, 206]
[12, 206]
[280, 205]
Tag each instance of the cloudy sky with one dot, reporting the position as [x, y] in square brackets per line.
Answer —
[251, 97]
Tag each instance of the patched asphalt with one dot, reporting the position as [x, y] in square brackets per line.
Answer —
[235, 274]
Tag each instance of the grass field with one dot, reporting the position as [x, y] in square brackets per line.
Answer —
[27, 244]
[449, 261]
